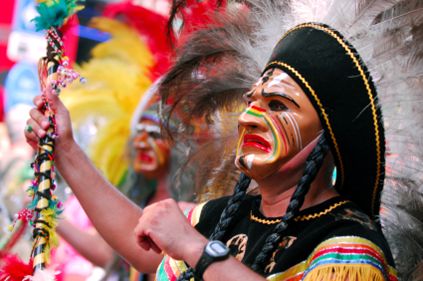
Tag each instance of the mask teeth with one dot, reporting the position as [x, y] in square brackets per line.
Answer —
[250, 159]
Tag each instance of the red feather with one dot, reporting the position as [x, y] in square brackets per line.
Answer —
[152, 28]
[197, 15]
[70, 37]
[13, 268]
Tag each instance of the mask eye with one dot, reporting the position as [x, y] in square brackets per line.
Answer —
[246, 99]
[276, 105]
[154, 135]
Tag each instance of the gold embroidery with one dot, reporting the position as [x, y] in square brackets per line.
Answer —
[322, 213]
[238, 242]
[263, 221]
[369, 93]
[300, 218]
[286, 242]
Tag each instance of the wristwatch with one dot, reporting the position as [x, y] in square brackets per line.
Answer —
[213, 251]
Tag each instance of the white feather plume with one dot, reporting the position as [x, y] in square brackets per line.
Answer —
[388, 35]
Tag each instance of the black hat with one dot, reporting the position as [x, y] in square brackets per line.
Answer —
[332, 74]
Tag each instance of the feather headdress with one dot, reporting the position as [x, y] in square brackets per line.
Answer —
[116, 79]
[388, 35]
[199, 87]
[152, 29]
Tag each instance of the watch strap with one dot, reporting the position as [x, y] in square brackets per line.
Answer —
[206, 260]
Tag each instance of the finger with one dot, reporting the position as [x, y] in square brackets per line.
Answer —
[54, 101]
[140, 236]
[147, 244]
[36, 132]
[38, 102]
[155, 247]
[143, 243]
[151, 244]
[31, 138]
[39, 118]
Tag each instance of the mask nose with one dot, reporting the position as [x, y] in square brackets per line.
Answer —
[140, 140]
[252, 118]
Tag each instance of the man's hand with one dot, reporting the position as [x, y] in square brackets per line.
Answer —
[38, 123]
[163, 228]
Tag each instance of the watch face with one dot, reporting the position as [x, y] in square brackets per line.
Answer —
[217, 249]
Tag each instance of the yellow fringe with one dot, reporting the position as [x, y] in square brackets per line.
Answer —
[350, 272]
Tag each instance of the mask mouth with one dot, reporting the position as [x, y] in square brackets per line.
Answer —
[144, 157]
[256, 141]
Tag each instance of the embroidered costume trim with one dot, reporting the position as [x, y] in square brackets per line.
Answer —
[299, 218]
[346, 257]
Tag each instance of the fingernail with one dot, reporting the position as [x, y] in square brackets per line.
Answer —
[41, 133]
[45, 124]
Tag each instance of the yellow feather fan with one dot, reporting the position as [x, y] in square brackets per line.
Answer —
[101, 109]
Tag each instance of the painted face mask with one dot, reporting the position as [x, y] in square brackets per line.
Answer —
[278, 124]
[151, 151]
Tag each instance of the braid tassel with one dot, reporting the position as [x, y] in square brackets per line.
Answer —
[231, 208]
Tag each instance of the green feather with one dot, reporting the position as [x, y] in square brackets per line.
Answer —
[54, 13]
[53, 206]
[32, 205]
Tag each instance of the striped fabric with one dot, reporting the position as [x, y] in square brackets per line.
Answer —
[341, 258]
[169, 269]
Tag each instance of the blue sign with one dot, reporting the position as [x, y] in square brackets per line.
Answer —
[24, 12]
[21, 85]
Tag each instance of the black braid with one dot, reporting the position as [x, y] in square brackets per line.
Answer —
[313, 164]
[231, 208]
[225, 219]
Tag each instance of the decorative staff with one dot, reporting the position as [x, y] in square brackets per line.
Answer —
[54, 74]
